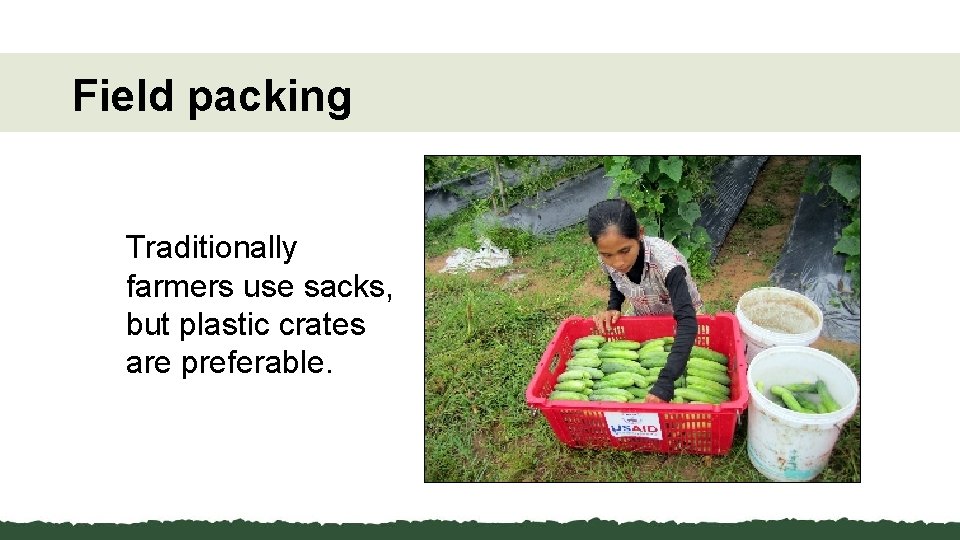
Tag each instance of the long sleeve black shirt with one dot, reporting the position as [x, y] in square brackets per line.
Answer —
[683, 313]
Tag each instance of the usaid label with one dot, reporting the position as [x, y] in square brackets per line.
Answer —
[634, 425]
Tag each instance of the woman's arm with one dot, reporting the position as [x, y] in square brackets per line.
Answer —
[616, 297]
[686, 318]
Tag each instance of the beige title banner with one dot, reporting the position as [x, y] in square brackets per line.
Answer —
[479, 92]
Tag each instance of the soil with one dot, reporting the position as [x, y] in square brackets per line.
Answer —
[750, 252]
[435, 264]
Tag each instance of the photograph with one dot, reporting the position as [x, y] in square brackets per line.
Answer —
[691, 318]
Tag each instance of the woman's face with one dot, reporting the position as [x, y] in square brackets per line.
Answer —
[618, 251]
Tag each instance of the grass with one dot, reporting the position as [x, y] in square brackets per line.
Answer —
[761, 217]
[478, 427]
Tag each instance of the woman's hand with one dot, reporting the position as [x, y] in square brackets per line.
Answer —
[606, 319]
[650, 398]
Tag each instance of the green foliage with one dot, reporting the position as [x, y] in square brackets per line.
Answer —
[761, 217]
[665, 192]
[533, 177]
[844, 182]
[533, 182]
[517, 241]
[460, 229]
[699, 262]
[437, 169]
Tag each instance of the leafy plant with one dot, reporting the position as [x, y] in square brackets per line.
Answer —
[532, 176]
[437, 169]
[761, 217]
[665, 192]
[844, 181]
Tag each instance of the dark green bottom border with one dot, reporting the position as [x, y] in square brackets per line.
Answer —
[450, 530]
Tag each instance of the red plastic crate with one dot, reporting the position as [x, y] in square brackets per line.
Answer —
[669, 428]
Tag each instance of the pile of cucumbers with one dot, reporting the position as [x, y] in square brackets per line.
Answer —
[624, 370]
[808, 398]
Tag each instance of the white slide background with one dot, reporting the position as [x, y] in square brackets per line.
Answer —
[84, 441]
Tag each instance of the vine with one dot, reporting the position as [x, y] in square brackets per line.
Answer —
[533, 177]
[665, 192]
[844, 181]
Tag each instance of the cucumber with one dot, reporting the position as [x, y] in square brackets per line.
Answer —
[591, 353]
[654, 362]
[653, 353]
[571, 386]
[788, 398]
[618, 353]
[561, 395]
[638, 392]
[595, 373]
[696, 395]
[612, 365]
[608, 397]
[706, 374]
[828, 402]
[805, 402]
[652, 344]
[618, 382]
[714, 356]
[587, 362]
[710, 392]
[585, 343]
[802, 388]
[623, 344]
[706, 365]
[573, 375]
[708, 383]
[637, 379]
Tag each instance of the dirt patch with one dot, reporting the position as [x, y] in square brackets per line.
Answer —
[590, 290]
[840, 349]
[750, 251]
[433, 265]
[483, 442]
[691, 472]
[531, 283]
[734, 277]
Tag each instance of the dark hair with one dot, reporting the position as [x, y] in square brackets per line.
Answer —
[616, 212]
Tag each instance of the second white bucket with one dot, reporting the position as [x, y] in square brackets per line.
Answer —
[772, 316]
[788, 446]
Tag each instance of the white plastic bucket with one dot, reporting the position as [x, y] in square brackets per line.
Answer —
[788, 446]
[771, 316]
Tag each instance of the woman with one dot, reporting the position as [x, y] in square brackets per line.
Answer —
[652, 275]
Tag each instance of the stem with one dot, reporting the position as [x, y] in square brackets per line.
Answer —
[499, 183]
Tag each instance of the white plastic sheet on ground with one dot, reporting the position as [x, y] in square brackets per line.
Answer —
[468, 260]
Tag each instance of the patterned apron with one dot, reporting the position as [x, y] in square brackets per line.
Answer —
[650, 296]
